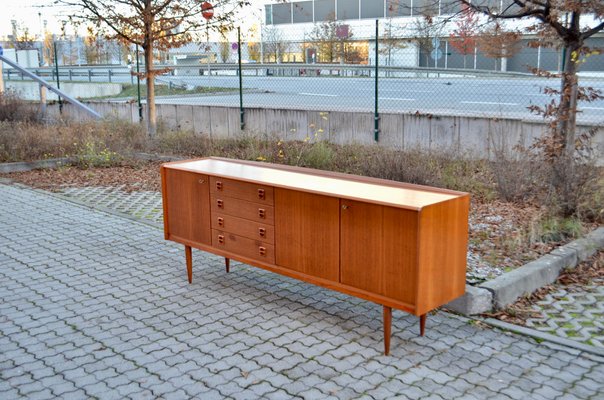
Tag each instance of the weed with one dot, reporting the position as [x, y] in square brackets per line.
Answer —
[555, 229]
[95, 154]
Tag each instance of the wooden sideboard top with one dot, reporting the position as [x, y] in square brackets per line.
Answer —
[353, 187]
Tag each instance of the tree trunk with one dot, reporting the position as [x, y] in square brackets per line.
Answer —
[151, 117]
[565, 132]
[567, 109]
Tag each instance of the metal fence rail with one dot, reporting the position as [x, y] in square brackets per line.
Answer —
[369, 71]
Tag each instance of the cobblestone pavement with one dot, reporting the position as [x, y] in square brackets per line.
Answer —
[97, 306]
[577, 315]
[572, 312]
[144, 204]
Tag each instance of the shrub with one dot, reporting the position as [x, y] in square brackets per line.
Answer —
[25, 141]
[13, 108]
[94, 153]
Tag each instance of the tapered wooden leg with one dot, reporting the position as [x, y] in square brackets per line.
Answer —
[189, 258]
[387, 329]
[422, 324]
[227, 264]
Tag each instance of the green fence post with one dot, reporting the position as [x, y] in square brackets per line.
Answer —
[54, 44]
[241, 111]
[138, 88]
[376, 117]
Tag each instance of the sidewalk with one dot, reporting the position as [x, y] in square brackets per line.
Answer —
[97, 305]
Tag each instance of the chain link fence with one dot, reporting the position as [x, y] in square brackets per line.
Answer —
[380, 66]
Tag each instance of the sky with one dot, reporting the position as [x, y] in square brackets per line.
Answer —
[25, 12]
[33, 13]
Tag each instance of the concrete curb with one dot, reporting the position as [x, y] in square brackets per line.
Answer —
[24, 166]
[7, 168]
[507, 288]
[522, 330]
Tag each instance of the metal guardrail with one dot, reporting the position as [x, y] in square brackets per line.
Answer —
[48, 86]
[286, 69]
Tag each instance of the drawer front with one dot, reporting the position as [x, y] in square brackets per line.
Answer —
[243, 209]
[242, 190]
[243, 246]
[244, 227]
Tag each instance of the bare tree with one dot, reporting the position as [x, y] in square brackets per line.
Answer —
[333, 40]
[92, 46]
[274, 45]
[253, 48]
[225, 48]
[153, 25]
[391, 40]
[24, 40]
[497, 43]
[48, 48]
[426, 30]
[571, 22]
[463, 37]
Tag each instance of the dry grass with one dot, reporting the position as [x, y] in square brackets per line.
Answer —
[12, 108]
[520, 177]
[26, 141]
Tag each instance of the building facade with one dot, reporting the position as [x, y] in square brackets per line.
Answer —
[297, 31]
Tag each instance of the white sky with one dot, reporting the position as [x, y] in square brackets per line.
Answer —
[26, 13]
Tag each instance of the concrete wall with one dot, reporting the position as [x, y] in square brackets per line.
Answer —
[481, 137]
[31, 90]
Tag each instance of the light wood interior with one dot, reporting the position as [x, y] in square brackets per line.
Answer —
[396, 196]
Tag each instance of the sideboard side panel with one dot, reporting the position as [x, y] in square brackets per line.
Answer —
[187, 205]
[307, 233]
[443, 245]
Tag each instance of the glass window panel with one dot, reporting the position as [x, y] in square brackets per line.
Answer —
[302, 11]
[509, 7]
[398, 8]
[425, 7]
[282, 14]
[449, 7]
[348, 9]
[493, 5]
[372, 8]
[325, 10]
[268, 14]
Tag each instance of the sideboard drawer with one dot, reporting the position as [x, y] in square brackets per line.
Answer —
[243, 227]
[243, 209]
[242, 190]
[246, 247]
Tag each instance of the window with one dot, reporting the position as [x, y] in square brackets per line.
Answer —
[372, 8]
[325, 10]
[302, 11]
[282, 13]
[268, 14]
[449, 7]
[348, 9]
[398, 8]
[425, 7]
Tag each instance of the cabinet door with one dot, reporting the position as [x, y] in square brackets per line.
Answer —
[307, 233]
[187, 206]
[379, 249]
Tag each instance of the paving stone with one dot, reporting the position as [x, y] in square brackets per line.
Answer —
[111, 298]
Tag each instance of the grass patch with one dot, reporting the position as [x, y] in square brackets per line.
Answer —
[131, 91]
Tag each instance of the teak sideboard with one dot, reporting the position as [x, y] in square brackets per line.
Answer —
[399, 245]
